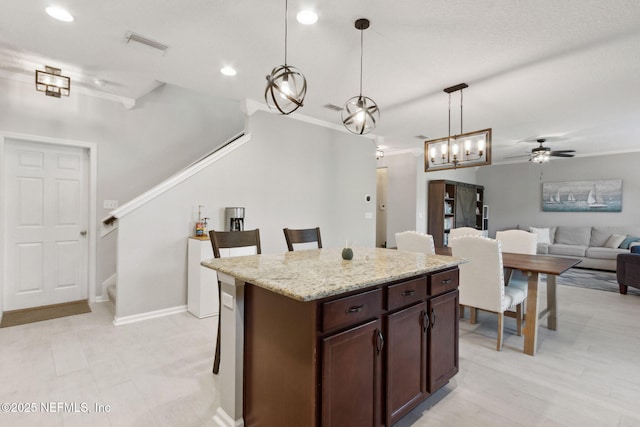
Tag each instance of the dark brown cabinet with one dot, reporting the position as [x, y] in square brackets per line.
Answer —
[406, 358]
[352, 366]
[363, 359]
[443, 339]
[452, 205]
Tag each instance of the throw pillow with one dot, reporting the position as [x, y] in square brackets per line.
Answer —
[542, 234]
[627, 242]
[614, 241]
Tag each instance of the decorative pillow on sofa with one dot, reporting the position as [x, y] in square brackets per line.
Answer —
[627, 242]
[614, 241]
[542, 234]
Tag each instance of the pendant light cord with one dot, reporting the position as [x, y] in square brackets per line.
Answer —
[286, 12]
[461, 111]
[449, 138]
[361, 55]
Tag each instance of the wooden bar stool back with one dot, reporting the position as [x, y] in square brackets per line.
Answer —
[229, 240]
[306, 235]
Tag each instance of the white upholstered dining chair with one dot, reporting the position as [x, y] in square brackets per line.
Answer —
[464, 231]
[482, 280]
[414, 241]
[518, 242]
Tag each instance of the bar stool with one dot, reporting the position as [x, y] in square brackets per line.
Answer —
[228, 240]
[306, 235]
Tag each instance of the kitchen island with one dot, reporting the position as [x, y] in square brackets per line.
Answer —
[311, 339]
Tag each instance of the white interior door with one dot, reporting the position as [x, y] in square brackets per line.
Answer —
[46, 219]
[381, 214]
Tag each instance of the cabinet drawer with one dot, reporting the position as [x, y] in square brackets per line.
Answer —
[351, 310]
[445, 281]
[406, 293]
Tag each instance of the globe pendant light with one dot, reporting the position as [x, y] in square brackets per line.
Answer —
[360, 113]
[286, 86]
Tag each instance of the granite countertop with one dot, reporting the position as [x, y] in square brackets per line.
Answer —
[318, 273]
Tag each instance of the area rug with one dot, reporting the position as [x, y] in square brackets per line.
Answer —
[592, 279]
[46, 312]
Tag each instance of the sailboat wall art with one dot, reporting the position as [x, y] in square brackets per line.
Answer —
[582, 196]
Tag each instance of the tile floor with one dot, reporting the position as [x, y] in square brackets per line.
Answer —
[158, 372]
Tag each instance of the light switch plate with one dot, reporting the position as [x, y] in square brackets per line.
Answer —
[110, 204]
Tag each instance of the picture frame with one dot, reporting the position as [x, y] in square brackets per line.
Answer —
[582, 196]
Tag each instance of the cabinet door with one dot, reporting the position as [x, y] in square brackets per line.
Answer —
[443, 339]
[351, 376]
[406, 360]
[465, 206]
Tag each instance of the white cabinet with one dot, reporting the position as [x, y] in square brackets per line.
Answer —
[202, 282]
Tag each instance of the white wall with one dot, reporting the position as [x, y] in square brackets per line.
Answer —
[290, 174]
[401, 194]
[166, 130]
[407, 204]
[514, 192]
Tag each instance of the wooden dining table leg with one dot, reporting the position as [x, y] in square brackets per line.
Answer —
[531, 318]
[552, 305]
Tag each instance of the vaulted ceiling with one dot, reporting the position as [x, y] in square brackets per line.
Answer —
[565, 70]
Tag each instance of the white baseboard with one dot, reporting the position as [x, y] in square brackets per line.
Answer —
[117, 321]
[111, 280]
[222, 419]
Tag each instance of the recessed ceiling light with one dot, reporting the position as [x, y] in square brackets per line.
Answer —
[228, 71]
[307, 17]
[59, 13]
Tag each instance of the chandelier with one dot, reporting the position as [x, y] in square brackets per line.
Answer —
[458, 151]
[360, 113]
[286, 85]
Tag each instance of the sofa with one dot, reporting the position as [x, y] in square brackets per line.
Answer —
[597, 247]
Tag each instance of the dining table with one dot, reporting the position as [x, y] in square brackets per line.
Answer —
[533, 265]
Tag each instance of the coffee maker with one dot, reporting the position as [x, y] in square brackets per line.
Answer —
[234, 219]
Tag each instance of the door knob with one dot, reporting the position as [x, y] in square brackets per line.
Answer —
[83, 233]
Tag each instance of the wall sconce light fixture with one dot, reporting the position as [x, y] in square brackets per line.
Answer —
[52, 82]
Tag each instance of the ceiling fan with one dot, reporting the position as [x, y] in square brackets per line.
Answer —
[541, 154]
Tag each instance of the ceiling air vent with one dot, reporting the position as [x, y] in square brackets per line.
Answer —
[141, 40]
[333, 107]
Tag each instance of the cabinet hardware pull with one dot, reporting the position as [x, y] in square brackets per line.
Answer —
[425, 321]
[446, 281]
[379, 342]
[354, 309]
[408, 292]
[433, 320]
